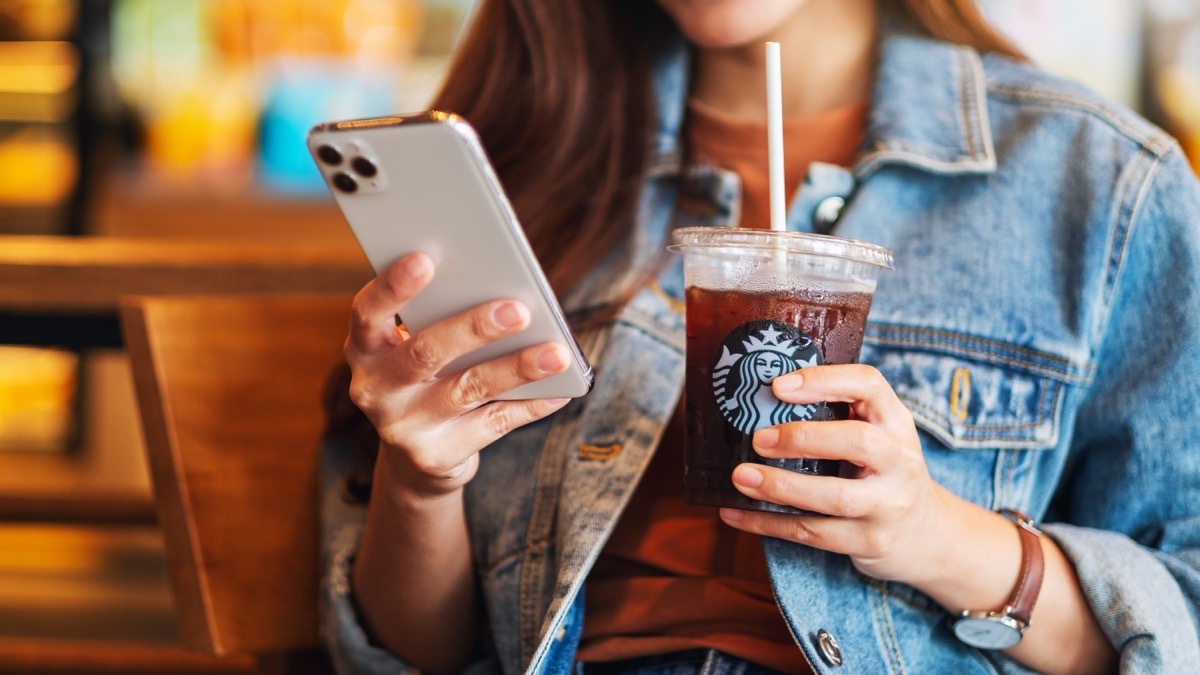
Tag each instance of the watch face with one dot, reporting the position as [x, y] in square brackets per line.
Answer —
[987, 632]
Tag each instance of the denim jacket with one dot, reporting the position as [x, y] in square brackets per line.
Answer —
[1042, 324]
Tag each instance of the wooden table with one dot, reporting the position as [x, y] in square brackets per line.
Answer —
[64, 291]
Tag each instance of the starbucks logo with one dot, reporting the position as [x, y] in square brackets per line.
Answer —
[752, 356]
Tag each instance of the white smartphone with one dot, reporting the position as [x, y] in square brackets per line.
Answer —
[423, 183]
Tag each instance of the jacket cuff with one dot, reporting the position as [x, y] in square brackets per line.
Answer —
[1139, 605]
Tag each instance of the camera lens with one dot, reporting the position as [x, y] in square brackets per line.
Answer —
[345, 183]
[329, 155]
[364, 167]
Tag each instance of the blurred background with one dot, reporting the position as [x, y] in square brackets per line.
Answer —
[194, 95]
[183, 120]
[109, 100]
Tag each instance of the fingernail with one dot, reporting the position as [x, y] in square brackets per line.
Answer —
[553, 404]
[508, 315]
[415, 267]
[766, 438]
[551, 359]
[787, 384]
[733, 516]
[748, 475]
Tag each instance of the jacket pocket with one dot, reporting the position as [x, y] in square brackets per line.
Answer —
[972, 393]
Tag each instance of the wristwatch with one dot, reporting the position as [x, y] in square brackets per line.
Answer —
[1003, 629]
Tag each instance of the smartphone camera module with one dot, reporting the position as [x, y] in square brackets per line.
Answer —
[345, 183]
[329, 155]
[349, 165]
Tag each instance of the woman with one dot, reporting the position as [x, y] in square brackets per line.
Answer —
[1023, 355]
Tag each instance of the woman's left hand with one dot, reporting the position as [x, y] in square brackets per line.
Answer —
[887, 515]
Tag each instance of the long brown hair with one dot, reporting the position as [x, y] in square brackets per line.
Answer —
[559, 93]
[958, 21]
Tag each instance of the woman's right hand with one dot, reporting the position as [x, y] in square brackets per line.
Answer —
[432, 428]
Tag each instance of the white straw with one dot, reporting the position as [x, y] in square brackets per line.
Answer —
[775, 138]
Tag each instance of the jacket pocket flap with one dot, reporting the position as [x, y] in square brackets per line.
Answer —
[971, 403]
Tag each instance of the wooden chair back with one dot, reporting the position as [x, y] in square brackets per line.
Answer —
[229, 390]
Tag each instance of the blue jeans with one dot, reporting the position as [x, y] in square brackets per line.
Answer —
[691, 662]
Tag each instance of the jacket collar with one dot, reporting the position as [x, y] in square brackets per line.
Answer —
[928, 110]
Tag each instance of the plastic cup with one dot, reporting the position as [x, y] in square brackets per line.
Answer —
[761, 303]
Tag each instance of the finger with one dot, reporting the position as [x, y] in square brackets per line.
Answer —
[829, 534]
[827, 495]
[475, 386]
[487, 424]
[373, 316]
[863, 387]
[855, 441]
[428, 351]
[448, 445]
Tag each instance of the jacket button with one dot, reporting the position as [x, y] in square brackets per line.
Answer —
[828, 212]
[829, 647]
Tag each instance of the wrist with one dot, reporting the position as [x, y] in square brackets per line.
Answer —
[977, 560]
[396, 486]
[1004, 627]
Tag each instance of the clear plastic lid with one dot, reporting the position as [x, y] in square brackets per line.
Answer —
[791, 242]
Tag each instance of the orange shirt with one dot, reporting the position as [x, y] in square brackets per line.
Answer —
[673, 576]
[740, 146]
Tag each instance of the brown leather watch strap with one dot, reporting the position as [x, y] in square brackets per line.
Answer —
[1033, 568]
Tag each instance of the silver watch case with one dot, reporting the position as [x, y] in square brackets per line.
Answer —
[988, 630]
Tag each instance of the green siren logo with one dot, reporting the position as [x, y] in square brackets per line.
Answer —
[752, 356]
